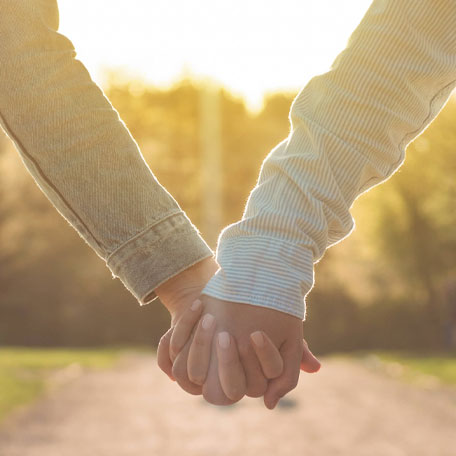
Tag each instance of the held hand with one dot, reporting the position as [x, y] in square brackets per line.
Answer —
[258, 354]
[191, 368]
[242, 320]
[177, 295]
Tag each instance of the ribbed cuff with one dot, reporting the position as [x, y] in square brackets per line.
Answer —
[152, 257]
[264, 272]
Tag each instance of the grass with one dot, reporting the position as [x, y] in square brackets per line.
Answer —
[424, 369]
[442, 367]
[24, 372]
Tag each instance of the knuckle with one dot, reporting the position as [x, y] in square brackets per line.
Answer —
[164, 340]
[197, 378]
[186, 319]
[274, 372]
[161, 364]
[178, 371]
[290, 384]
[282, 391]
[285, 388]
[257, 384]
[174, 347]
[163, 360]
[175, 371]
[257, 390]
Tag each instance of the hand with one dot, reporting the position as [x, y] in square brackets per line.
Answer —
[242, 321]
[230, 370]
[177, 294]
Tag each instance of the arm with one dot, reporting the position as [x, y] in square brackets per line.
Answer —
[350, 128]
[83, 157]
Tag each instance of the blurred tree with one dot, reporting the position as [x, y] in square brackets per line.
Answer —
[7, 254]
[415, 228]
[54, 289]
[374, 290]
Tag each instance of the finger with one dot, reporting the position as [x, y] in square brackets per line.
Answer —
[309, 363]
[184, 327]
[212, 388]
[163, 359]
[231, 373]
[291, 352]
[200, 350]
[257, 383]
[268, 355]
[179, 372]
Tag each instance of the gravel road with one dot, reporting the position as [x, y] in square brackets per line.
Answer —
[133, 410]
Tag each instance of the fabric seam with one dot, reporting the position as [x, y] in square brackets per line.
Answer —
[21, 146]
[141, 233]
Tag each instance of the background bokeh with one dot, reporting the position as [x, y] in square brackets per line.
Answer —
[389, 285]
[205, 88]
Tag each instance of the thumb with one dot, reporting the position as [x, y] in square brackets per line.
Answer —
[277, 388]
[309, 363]
[163, 359]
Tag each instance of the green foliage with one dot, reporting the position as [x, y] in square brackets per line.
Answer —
[39, 358]
[392, 271]
[414, 216]
[441, 367]
[380, 288]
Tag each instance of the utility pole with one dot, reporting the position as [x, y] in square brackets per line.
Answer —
[211, 162]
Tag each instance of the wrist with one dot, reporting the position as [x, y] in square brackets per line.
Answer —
[179, 291]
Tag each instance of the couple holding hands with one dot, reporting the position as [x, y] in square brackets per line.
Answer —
[237, 318]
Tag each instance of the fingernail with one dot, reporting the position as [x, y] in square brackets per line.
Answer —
[258, 339]
[208, 320]
[224, 340]
[196, 305]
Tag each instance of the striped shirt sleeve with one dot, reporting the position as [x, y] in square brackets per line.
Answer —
[349, 131]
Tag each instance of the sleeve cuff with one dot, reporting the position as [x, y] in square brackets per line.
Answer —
[155, 255]
[264, 272]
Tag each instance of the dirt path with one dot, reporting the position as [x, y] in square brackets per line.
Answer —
[134, 410]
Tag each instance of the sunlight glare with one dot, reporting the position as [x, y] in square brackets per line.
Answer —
[250, 47]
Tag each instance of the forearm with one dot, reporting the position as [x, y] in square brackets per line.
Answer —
[350, 128]
[83, 157]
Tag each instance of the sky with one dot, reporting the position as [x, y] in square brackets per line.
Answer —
[252, 47]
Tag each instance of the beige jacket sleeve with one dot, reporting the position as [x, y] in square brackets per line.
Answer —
[83, 157]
